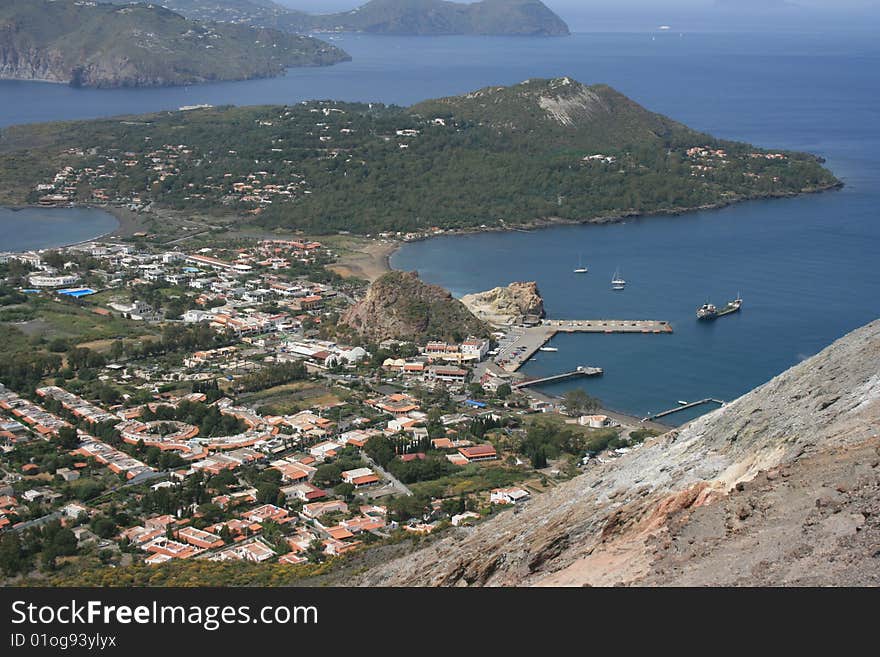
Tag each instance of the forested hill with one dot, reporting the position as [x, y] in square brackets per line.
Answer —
[406, 17]
[497, 157]
[107, 45]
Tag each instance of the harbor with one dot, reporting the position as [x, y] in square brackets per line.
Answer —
[529, 340]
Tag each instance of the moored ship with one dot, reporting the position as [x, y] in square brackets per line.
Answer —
[710, 311]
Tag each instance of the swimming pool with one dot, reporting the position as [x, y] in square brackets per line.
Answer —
[77, 292]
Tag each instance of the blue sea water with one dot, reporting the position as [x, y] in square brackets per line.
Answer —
[43, 228]
[807, 268]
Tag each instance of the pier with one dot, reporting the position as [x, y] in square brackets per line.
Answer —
[608, 326]
[580, 371]
[527, 341]
[683, 407]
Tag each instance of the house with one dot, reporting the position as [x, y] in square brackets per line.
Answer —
[596, 421]
[266, 512]
[160, 522]
[360, 477]
[303, 491]
[397, 404]
[512, 495]
[466, 518]
[255, 551]
[325, 449]
[474, 349]
[478, 453]
[446, 374]
[199, 538]
[318, 509]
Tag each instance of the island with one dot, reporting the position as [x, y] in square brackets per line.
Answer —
[540, 152]
[400, 17]
[107, 45]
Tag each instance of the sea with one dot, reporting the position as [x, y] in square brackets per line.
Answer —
[807, 268]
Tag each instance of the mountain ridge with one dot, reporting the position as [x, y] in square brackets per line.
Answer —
[108, 45]
[392, 17]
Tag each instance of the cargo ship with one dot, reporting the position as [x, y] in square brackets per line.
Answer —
[710, 311]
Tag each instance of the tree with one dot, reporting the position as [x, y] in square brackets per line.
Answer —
[344, 490]
[380, 449]
[11, 561]
[504, 391]
[578, 402]
[68, 438]
[267, 493]
[103, 526]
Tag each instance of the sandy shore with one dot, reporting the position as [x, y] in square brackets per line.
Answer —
[368, 262]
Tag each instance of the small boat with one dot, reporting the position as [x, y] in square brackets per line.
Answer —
[682, 402]
[550, 349]
[617, 281]
[581, 269]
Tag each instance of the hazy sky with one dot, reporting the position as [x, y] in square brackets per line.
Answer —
[638, 15]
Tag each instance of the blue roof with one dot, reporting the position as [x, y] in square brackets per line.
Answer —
[475, 404]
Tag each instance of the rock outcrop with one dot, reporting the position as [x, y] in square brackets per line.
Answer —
[400, 306]
[502, 306]
[780, 487]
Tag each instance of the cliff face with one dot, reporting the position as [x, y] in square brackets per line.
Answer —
[103, 45]
[506, 305]
[781, 486]
[400, 306]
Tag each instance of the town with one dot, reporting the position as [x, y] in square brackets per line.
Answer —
[224, 411]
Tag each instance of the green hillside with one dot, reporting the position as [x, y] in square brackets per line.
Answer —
[105, 45]
[502, 156]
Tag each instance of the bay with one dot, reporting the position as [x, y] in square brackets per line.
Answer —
[807, 267]
[43, 228]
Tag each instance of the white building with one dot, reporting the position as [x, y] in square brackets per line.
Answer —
[52, 280]
[513, 495]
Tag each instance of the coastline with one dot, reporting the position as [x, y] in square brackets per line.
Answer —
[122, 223]
[373, 259]
[383, 265]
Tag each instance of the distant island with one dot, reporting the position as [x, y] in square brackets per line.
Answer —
[106, 45]
[535, 153]
[401, 17]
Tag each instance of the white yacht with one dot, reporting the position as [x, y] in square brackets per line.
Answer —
[618, 282]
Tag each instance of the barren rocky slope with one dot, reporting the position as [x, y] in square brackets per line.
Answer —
[506, 305]
[781, 486]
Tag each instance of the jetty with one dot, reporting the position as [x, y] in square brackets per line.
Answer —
[683, 407]
[530, 339]
[579, 372]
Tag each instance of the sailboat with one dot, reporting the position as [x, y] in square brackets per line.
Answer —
[580, 268]
[618, 282]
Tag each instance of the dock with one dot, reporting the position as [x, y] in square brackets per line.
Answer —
[608, 326]
[683, 407]
[529, 340]
[579, 372]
